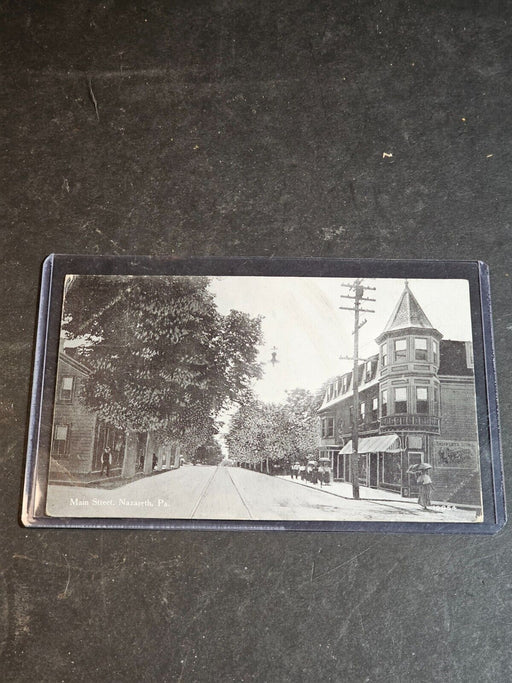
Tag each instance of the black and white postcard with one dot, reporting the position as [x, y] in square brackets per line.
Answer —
[263, 398]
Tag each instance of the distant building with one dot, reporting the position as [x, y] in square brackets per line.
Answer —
[416, 404]
[80, 436]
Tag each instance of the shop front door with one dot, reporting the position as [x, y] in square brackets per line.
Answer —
[374, 469]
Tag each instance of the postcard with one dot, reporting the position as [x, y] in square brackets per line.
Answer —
[260, 398]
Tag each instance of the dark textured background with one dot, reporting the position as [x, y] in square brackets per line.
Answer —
[250, 128]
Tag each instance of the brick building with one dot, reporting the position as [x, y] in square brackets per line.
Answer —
[416, 404]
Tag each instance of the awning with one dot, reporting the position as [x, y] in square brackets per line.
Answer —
[387, 443]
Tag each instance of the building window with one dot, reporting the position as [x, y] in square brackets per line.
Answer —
[421, 400]
[400, 349]
[60, 441]
[415, 441]
[384, 355]
[420, 349]
[401, 400]
[435, 354]
[344, 384]
[436, 401]
[392, 469]
[384, 403]
[327, 427]
[362, 411]
[368, 373]
[66, 389]
[375, 408]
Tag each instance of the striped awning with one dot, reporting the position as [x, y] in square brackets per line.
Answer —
[387, 443]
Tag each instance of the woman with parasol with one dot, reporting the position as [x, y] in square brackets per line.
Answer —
[424, 482]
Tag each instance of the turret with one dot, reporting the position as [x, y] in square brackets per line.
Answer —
[409, 363]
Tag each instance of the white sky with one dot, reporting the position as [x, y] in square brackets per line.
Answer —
[303, 320]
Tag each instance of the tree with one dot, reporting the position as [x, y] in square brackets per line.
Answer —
[246, 436]
[272, 433]
[301, 410]
[162, 357]
[209, 453]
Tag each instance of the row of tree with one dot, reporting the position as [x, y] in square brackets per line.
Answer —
[163, 359]
[275, 433]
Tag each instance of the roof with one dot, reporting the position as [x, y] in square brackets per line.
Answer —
[407, 313]
[73, 362]
[455, 358]
[334, 393]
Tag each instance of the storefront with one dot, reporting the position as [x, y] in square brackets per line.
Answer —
[380, 461]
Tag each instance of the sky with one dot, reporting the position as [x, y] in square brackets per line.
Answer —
[302, 319]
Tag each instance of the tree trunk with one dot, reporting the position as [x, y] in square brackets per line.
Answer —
[148, 457]
[177, 455]
[129, 457]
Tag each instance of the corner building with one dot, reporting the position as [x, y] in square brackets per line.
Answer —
[416, 404]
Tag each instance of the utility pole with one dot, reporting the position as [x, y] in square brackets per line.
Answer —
[358, 290]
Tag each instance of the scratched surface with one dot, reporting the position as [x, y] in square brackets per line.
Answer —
[236, 128]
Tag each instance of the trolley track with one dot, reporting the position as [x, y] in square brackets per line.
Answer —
[220, 497]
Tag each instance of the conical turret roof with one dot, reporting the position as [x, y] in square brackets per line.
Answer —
[407, 314]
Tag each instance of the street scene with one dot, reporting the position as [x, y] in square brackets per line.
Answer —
[265, 398]
[217, 492]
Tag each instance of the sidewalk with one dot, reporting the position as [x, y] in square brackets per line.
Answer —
[344, 490]
[112, 482]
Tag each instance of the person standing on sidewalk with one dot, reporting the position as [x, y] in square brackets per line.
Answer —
[424, 482]
[106, 461]
[321, 474]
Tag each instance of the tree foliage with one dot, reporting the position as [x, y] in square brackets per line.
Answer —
[209, 453]
[282, 433]
[162, 357]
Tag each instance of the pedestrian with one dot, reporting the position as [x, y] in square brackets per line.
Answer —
[424, 482]
[106, 461]
[302, 472]
[309, 470]
[314, 474]
[295, 470]
[155, 461]
[321, 474]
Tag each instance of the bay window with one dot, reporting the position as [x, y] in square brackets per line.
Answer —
[400, 347]
[421, 400]
[420, 349]
[384, 403]
[401, 400]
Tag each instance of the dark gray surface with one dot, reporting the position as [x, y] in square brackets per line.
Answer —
[238, 128]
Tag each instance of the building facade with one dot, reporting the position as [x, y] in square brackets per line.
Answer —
[79, 436]
[416, 404]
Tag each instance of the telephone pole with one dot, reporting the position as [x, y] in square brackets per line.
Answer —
[357, 296]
